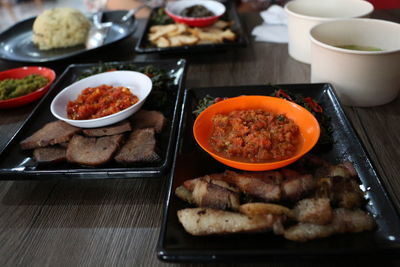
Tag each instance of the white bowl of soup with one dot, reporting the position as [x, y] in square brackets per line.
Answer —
[304, 14]
[359, 57]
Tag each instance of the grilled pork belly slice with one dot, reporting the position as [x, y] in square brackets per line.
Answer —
[149, 119]
[344, 221]
[118, 128]
[216, 178]
[206, 221]
[140, 147]
[50, 154]
[184, 194]
[208, 194]
[296, 187]
[313, 210]
[342, 192]
[259, 185]
[52, 133]
[259, 208]
[92, 151]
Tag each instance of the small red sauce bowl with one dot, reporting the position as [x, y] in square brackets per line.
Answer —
[20, 73]
[173, 9]
[308, 125]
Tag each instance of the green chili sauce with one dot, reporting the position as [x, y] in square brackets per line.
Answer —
[11, 88]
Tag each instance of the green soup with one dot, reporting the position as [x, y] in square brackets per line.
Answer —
[359, 47]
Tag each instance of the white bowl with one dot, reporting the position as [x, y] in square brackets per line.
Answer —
[139, 84]
[360, 78]
[305, 14]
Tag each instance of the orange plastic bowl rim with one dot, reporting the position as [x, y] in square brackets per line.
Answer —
[308, 126]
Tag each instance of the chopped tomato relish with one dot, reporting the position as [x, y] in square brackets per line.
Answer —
[254, 136]
[100, 101]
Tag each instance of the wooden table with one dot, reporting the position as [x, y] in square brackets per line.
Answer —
[117, 222]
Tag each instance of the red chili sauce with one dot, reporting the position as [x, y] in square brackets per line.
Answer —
[254, 135]
[100, 101]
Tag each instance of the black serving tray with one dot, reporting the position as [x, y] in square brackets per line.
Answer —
[144, 46]
[17, 164]
[175, 245]
[16, 44]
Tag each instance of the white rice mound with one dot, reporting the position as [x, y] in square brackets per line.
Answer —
[60, 27]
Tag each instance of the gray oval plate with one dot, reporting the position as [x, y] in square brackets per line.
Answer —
[16, 44]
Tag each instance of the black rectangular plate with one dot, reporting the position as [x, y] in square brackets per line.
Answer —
[175, 245]
[17, 164]
[143, 45]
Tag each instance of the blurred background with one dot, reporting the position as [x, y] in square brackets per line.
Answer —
[12, 11]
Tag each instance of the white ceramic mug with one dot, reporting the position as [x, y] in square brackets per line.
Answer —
[360, 78]
[305, 14]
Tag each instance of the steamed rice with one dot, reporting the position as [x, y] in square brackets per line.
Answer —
[60, 27]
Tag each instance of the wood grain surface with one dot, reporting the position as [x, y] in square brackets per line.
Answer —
[116, 222]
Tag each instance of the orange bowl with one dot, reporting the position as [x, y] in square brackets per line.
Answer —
[308, 126]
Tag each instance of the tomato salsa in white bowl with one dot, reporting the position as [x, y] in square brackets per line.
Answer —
[102, 99]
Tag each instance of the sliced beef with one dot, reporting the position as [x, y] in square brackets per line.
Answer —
[118, 128]
[52, 133]
[140, 147]
[93, 151]
[149, 119]
[50, 154]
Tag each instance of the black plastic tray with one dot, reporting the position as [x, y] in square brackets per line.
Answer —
[16, 44]
[17, 164]
[175, 245]
[144, 46]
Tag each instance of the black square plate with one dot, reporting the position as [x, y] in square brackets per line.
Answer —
[175, 245]
[144, 46]
[17, 164]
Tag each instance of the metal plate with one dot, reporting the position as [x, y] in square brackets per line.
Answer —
[143, 45]
[175, 245]
[16, 42]
[16, 164]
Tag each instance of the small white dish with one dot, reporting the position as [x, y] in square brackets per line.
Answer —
[139, 84]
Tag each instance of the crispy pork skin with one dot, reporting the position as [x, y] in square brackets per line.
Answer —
[206, 221]
[92, 151]
[255, 184]
[313, 210]
[207, 194]
[50, 154]
[149, 119]
[140, 147]
[118, 128]
[52, 133]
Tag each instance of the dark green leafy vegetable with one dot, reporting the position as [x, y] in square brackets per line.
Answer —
[160, 18]
[205, 102]
[11, 88]
[196, 11]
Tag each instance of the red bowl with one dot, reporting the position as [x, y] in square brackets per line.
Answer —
[20, 73]
[173, 9]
